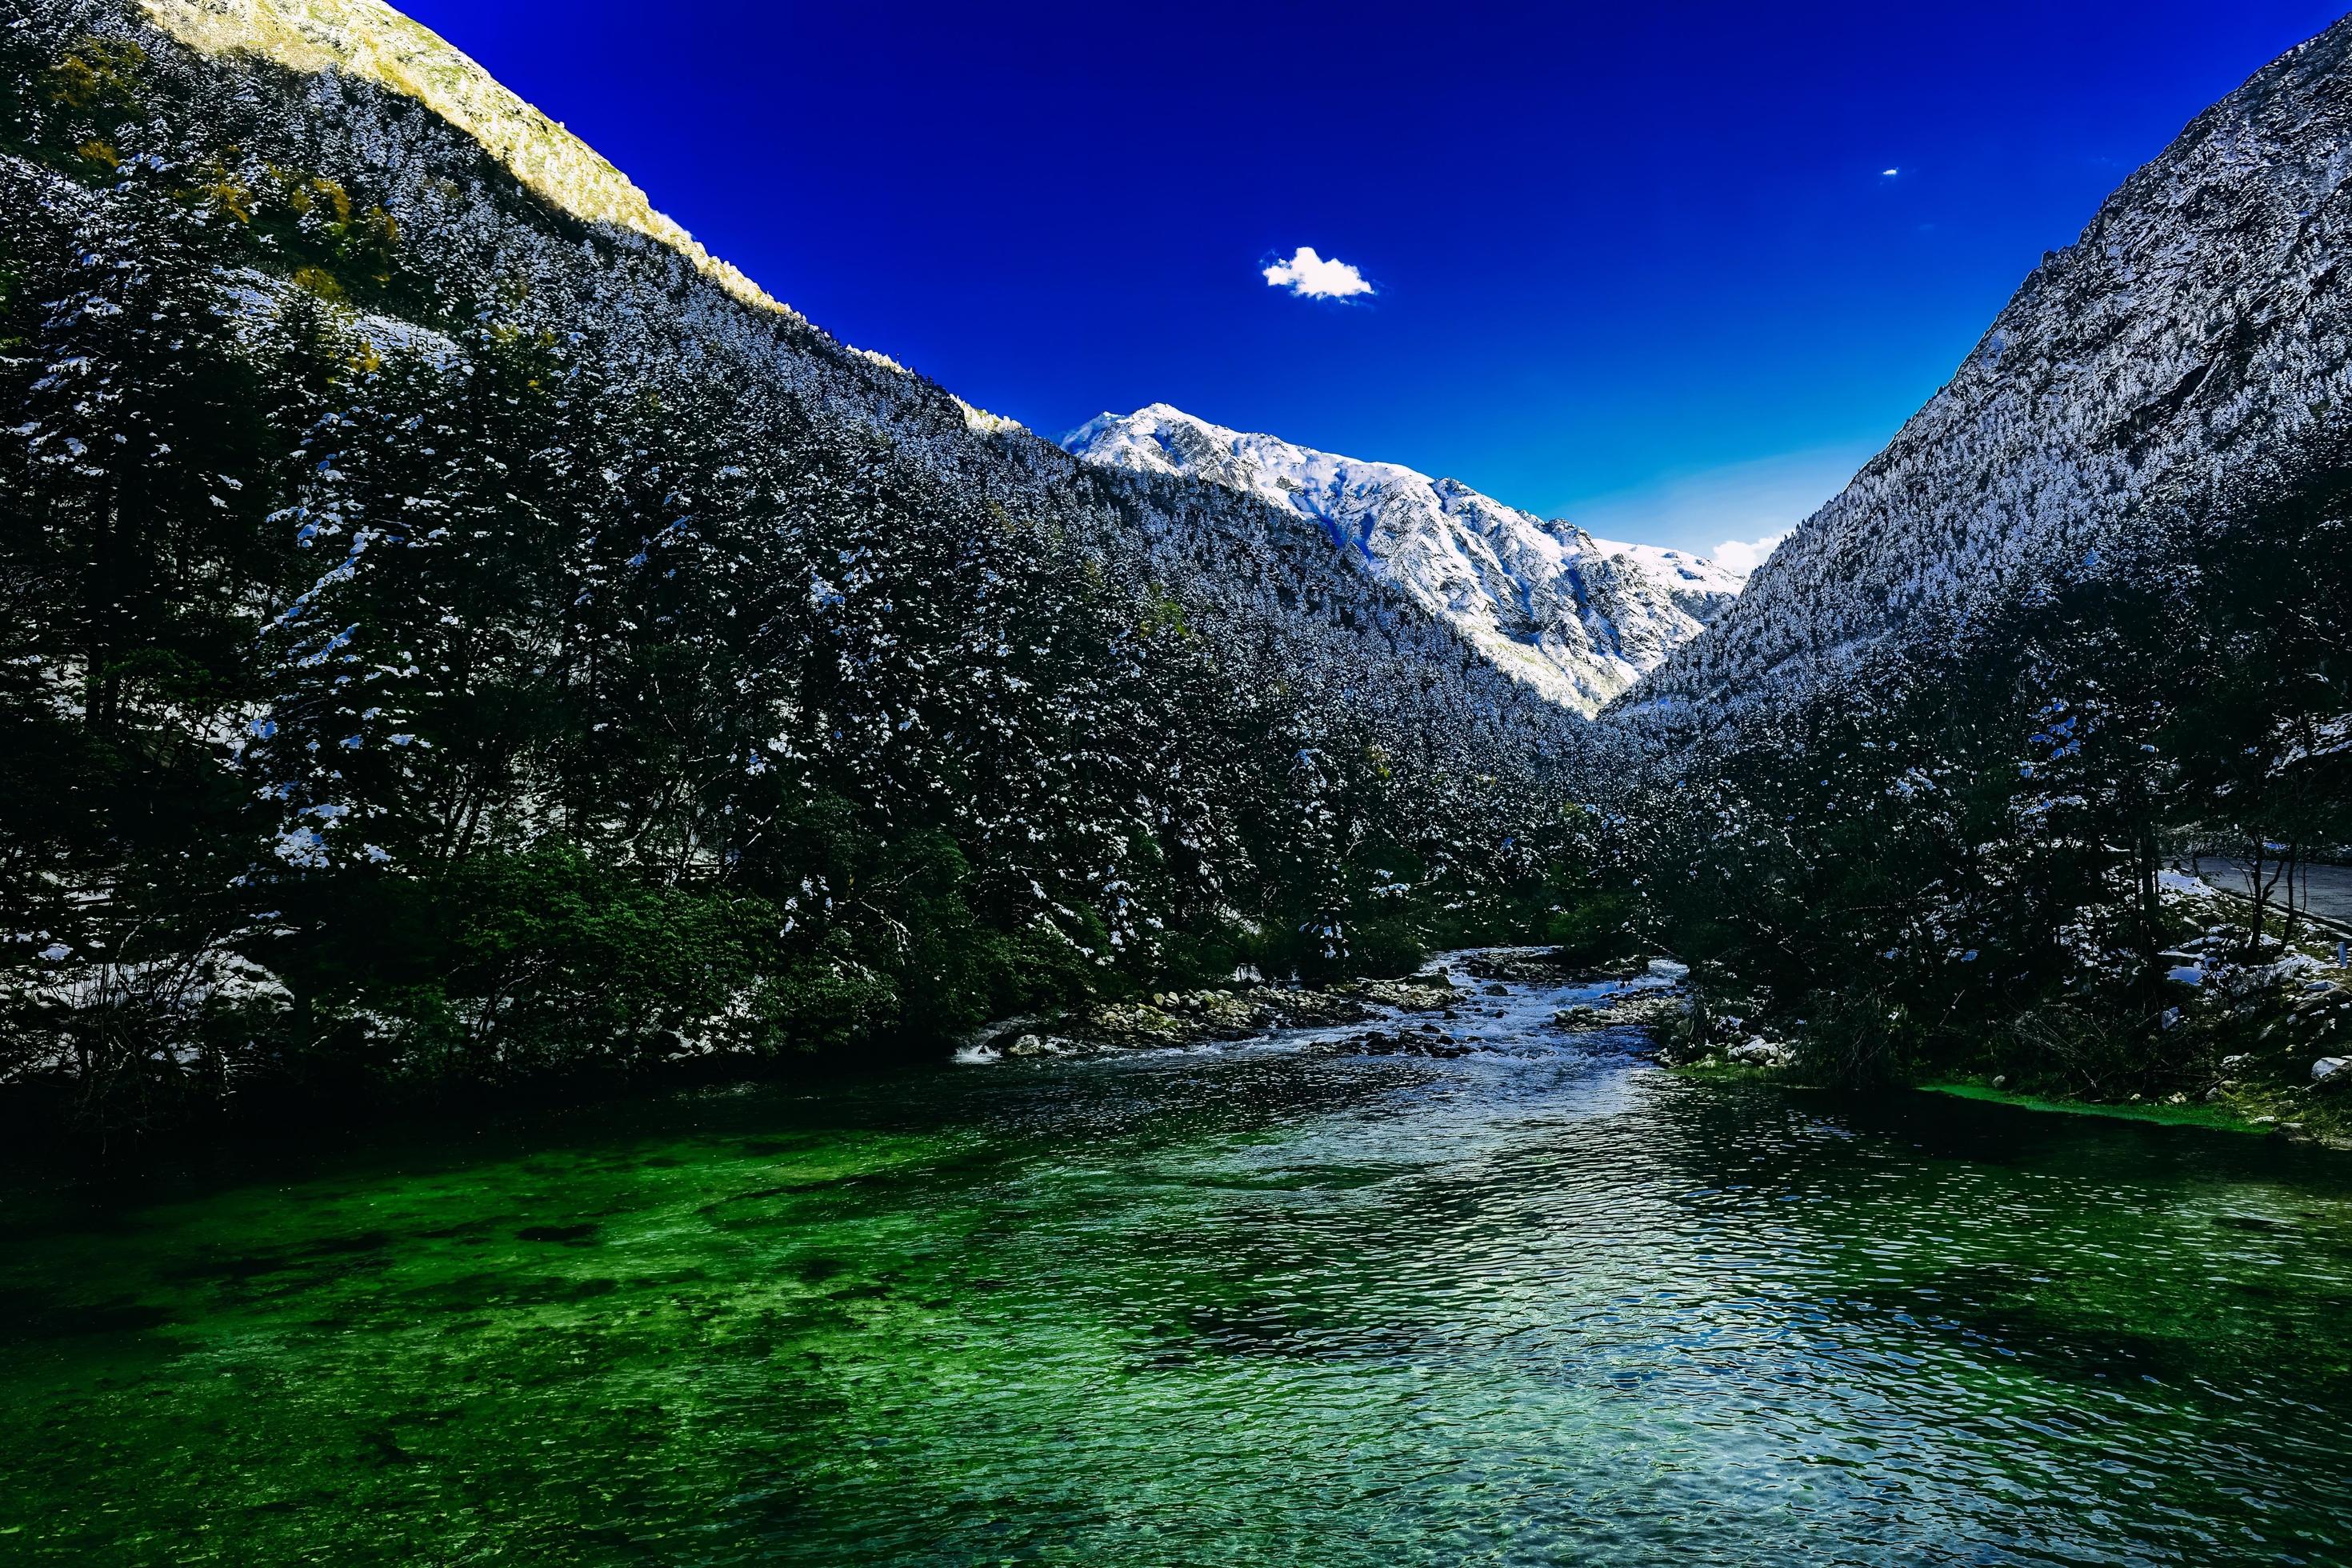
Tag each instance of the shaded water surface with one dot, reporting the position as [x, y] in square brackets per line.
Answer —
[1261, 1304]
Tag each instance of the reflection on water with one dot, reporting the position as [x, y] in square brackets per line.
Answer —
[1255, 1304]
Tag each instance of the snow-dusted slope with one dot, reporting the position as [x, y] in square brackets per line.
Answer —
[369, 39]
[2191, 352]
[490, 200]
[1577, 619]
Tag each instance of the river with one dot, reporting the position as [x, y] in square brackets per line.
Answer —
[1255, 1304]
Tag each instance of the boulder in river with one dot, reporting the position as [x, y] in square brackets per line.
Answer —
[1419, 995]
[1421, 1042]
[1173, 1018]
[1527, 966]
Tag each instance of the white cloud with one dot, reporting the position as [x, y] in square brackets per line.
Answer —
[1888, 173]
[1310, 276]
[1744, 556]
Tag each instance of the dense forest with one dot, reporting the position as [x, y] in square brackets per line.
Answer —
[1963, 861]
[445, 645]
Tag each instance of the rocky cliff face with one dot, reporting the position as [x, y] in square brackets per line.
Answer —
[2194, 346]
[1574, 618]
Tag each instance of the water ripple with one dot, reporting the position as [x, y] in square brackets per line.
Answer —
[1266, 1304]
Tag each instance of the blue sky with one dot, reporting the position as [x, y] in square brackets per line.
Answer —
[1639, 265]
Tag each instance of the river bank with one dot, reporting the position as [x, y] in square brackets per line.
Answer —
[2274, 1113]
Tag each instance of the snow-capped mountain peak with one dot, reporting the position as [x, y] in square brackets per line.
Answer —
[1578, 618]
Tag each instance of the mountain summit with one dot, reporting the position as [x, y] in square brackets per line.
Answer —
[370, 41]
[1577, 619]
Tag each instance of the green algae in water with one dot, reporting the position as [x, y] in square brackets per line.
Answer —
[1544, 1307]
[2215, 1119]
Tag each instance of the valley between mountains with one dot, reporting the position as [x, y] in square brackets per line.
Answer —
[461, 636]
[631, 935]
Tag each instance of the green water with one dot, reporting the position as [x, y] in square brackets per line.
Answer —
[1540, 1304]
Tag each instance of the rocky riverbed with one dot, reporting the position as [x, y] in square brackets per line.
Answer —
[1447, 1009]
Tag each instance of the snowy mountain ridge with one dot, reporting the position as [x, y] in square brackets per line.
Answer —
[1577, 619]
[370, 40]
[2190, 353]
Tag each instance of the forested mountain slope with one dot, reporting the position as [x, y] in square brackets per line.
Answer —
[1577, 619]
[2191, 350]
[1912, 807]
[453, 625]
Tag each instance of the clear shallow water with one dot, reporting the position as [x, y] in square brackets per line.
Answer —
[1541, 1304]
